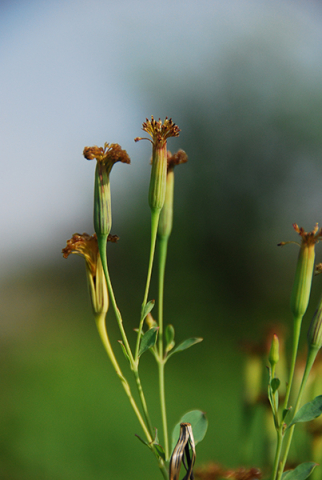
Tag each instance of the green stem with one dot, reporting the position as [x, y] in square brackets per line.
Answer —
[309, 363]
[277, 467]
[163, 247]
[296, 337]
[102, 249]
[155, 214]
[102, 239]
[100, 322]
[101, 327]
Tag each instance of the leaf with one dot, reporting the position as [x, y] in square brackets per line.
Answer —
[148, 340]
[301, 472]
[185, 344]
[147, 309]
[124, 351]
[160, 450]
[169, 337]
[285, 412]
[199, 424]
[141, 440]
[275, 383]
[308, 412]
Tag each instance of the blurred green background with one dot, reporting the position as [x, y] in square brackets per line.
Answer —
[243, 82]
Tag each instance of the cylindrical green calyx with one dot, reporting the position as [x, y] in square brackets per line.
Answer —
[303, 280]
[102, 200]
[158, 178]
[314, 335]
[166, 215]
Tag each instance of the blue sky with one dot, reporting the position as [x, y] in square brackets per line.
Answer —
[76, 73]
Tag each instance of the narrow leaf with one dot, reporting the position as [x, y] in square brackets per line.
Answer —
[124, 351]
[301, 472]
[185, 344]
[147, 308]
[199, 424]
[141, 440]
[148, 340]
[169, 337]
[160, 450]
[308, 412]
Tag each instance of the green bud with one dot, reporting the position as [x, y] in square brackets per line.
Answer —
[304, 270]
[106, 157]
[273, 356]
[314, 335]
[166, 215]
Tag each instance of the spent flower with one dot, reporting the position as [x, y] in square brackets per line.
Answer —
[106, 157]
[86, 246]
[160, 132]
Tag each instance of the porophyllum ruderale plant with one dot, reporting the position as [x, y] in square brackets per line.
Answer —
[150, 331]
[299, 302]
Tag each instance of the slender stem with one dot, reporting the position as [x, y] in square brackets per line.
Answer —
[163, 247]
[278, 452]
[296, 338]
[309, 363]
[101, 327]
[102, 247]
[155, 214]
[100, 322]
[277, 467]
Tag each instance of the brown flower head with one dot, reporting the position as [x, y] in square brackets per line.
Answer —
[159, 131]
[87, 247]
[110, 153]
[106, 157]
[176, 159]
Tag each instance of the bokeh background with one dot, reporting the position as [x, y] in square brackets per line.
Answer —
[243, 80]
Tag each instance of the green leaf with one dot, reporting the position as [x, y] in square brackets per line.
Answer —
[308, 412]
[169, 337]
[285, 412]
[148, 340]
[147, 308]
[141, 440]
[301, 472]
[275, 383]
[160, 450]
[199, 424]
[124, 351]
[185, 344]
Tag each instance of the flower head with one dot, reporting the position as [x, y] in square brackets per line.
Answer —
[109, 154]
[106, 157]
[160, 132]
[87, 247]
[304, 269]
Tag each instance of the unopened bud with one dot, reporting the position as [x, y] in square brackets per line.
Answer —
[166, 215]
[314, 335]
[274, 356]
